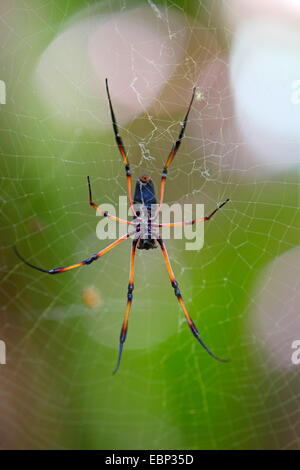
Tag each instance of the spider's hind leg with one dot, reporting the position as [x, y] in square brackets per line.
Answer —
[129, 302]
[179, 298]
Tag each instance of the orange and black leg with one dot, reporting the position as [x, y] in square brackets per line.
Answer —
[129, 302]
[121, 148]
[195, 221]
[105, 214]
[81, 263]
[172, 155]
[179, 297]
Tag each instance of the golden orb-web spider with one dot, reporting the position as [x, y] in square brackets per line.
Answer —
[145, 228]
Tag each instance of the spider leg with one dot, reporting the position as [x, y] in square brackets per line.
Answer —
[82, 263]
[121, 148]
[172, 155]
[179, 297]
[105, 214]
[195, 221]
[129, 302]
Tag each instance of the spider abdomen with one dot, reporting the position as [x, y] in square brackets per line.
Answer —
[144, 193]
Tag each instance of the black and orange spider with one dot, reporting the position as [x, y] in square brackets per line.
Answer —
[145, 231]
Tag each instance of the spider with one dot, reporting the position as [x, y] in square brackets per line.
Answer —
[145, 228]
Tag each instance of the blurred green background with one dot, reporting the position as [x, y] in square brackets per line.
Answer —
[57, 388]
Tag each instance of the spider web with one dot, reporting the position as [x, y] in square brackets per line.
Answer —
[62, 332]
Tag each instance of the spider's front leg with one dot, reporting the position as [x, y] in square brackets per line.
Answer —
[129, 302]
[179, 297]
[172, 154]
[121, 147]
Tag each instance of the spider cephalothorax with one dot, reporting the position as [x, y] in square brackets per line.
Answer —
[145, 228]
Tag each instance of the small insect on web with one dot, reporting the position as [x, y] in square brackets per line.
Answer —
[145, 229]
